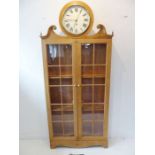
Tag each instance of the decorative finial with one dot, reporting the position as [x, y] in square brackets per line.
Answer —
[50, 30]
[101, 29]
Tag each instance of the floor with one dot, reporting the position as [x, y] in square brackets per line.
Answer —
[41, 147]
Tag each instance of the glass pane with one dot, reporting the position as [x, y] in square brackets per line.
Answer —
[87, 128]
[68, 107]
[98, 115]
[87, 80]
[99, 107]
[99, 80]
[87, 111]
[57, 107]
[87, 71]
[54, 71]
[57, 129]
[100, 54]
[87, 107]
[99, 70]
[67, 94]
[86, 94]
[55, 94]
[99, 94]
[68, 128]
[98, 128]
[66, 81]
[87, 115]
[68, 115]
[66, 71]
[56, 116]
[53, 54]
[65, 55]
[87, 54]
[54, 81]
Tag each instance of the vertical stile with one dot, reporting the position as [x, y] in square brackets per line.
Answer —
[74, 89]
[46, 80]
[78, 80]
[93, 89]
[107, 89]
[62, 117]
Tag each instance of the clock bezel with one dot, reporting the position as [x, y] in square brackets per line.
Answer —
[86, 7]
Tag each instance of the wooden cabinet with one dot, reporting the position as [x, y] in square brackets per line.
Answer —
[77, 82]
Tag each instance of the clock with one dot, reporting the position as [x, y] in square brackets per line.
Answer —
[76, 18]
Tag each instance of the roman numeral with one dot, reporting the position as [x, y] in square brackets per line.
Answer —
[71, 11]
[80, 11]
[84, 25]
[71, 29]
[68, 25]
[84, 14]
[86, 19]
[76, 9]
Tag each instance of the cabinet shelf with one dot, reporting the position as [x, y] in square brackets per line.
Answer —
[95, 103]
[83, 76]
[59, 77]
[63, 107]
[63, 121]
[93, 75]
[82, 85]
[59, 65]
[91, 65]
[60, 85]
[93, 84]
[91, 121]
[59, 109]
[60, 104]
[94, 107]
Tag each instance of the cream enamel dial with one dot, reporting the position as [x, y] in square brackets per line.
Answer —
[76, 20]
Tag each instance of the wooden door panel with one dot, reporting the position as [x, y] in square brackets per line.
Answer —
[61, 89]
[92, 89]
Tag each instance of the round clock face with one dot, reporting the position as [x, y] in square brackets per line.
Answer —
[76, 20]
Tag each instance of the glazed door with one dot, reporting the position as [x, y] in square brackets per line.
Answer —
[92, 89]
[61, 89]
[77, 84]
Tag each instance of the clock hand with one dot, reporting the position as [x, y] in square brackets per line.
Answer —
[78, 15]
[69, 19]
[77, 18]
[74, 24]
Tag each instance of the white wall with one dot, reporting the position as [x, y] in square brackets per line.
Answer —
[35, 17]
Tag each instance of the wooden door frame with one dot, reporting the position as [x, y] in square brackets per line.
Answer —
[48, 104]
[107, 87]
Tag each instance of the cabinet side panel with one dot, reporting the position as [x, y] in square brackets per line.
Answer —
[48, 106]
[107, 88]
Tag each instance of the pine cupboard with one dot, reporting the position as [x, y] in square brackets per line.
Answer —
[77, 83]
[77, 79]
